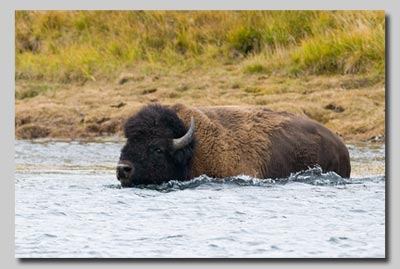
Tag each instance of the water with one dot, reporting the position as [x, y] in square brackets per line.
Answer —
[68, 203]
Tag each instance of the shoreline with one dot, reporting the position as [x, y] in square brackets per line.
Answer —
[122, 139]
[353, 106]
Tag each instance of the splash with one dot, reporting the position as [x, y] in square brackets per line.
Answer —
[312, 176]
[315, 176]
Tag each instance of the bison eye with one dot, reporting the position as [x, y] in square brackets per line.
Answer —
[158, 150]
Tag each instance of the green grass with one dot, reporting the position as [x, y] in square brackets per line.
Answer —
[77, 46]
[32, 90]
[255, 68]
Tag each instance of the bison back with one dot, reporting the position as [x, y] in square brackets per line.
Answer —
[259, 142]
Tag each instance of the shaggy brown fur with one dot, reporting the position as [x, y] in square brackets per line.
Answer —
[256, 141]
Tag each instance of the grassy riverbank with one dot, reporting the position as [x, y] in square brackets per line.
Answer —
[80, 74]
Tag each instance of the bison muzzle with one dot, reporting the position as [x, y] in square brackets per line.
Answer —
[182, 142]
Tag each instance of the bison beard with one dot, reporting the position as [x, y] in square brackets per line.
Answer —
[224, 141]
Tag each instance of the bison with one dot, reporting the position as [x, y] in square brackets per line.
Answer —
[182, 142]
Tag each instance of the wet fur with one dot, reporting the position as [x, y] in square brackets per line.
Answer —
[259, 142]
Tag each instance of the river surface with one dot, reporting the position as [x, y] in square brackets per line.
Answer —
[68, 204]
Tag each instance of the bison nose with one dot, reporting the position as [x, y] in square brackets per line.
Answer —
[124, 170]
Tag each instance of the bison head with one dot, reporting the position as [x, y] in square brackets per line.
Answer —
[159, 148]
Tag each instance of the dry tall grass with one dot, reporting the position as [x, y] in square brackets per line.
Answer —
[65, 46]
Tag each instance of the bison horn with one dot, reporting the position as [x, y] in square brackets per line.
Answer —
[183, 141]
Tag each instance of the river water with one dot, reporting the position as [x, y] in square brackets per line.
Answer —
[68, 203]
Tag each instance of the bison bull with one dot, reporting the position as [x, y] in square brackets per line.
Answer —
[183, 142]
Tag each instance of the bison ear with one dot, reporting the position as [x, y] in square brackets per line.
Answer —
[180, 143]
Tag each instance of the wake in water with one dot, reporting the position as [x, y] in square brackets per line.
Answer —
[312, 176]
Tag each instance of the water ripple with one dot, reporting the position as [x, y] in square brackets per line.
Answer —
[312, 176]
